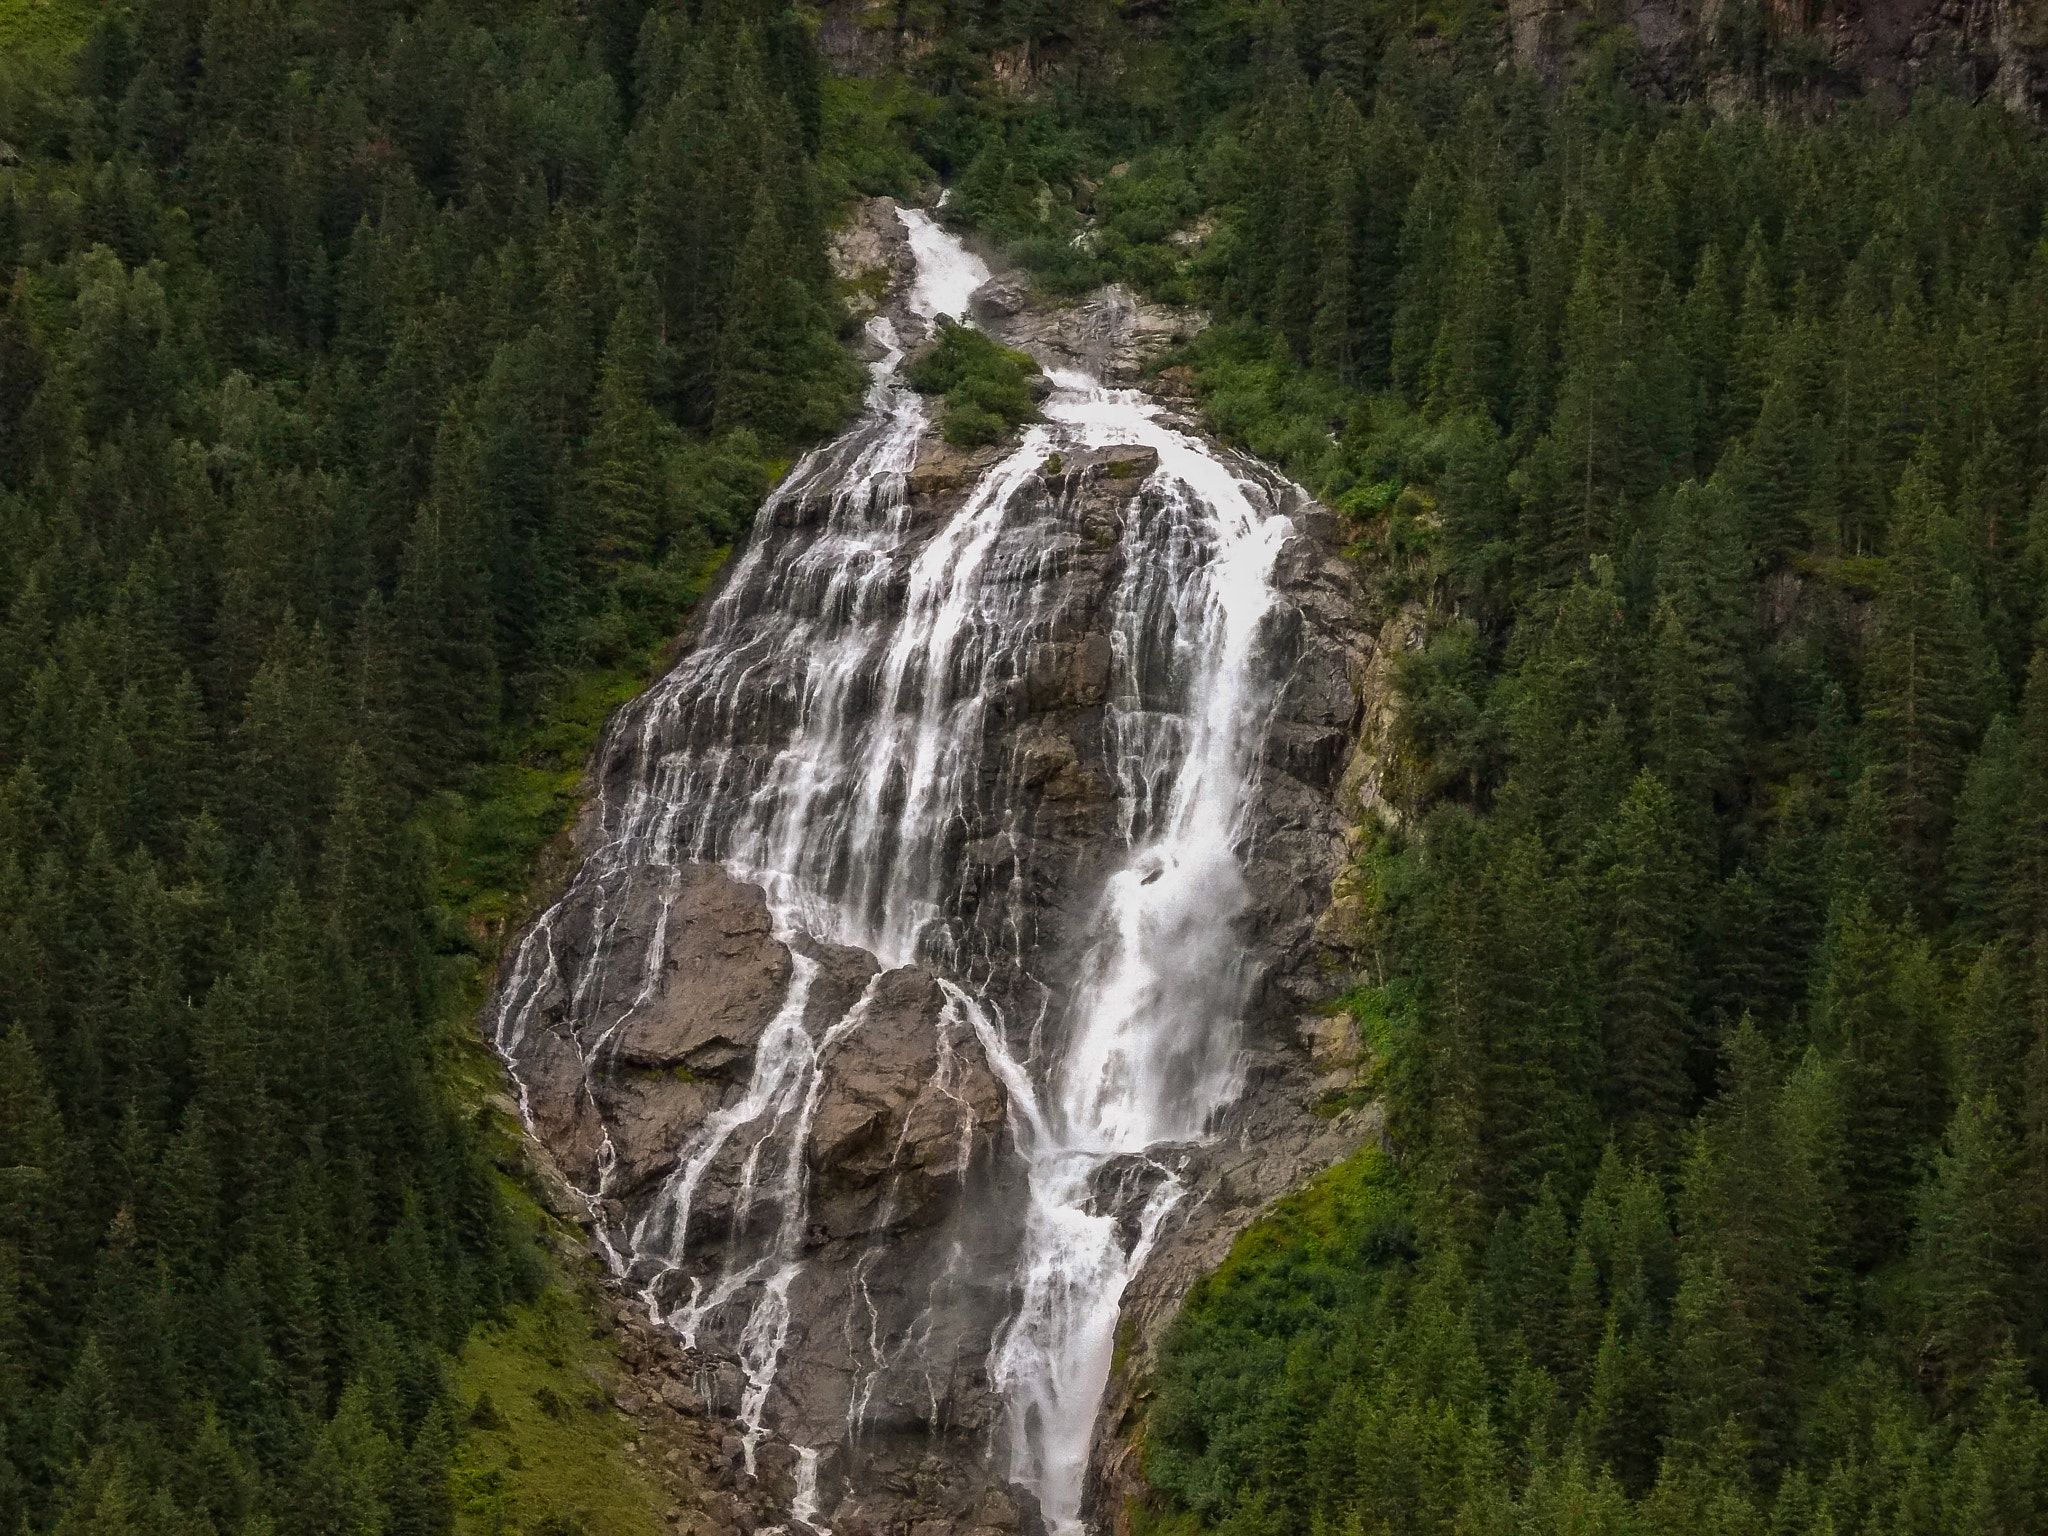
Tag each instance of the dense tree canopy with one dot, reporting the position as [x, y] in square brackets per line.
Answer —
[366, 368]
[360, 367]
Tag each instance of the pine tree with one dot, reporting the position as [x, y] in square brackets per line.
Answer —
[1337, 342]
[1966, 1240]
[1756, 1223]
[1989, 815]
[626, 466]
[1934, 682]
[1709, 343]
[1643, 973]
[1756, 338]
[1877, 1008]
[2024, 909]
[773, 370]
[285, 746]
[1470, 370]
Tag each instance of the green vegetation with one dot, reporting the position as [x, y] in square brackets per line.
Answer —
[378, 386]
[490, 833]
[1709, 957]
[372, 408]
[544, 1445]
[870, 127]
[40, 35]
[987, 387]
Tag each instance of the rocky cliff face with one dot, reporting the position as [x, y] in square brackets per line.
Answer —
[797, 1156]
[1796, 51]
[1806, 53]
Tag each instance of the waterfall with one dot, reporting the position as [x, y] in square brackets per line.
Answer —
[824, 740]
[1151, 1052]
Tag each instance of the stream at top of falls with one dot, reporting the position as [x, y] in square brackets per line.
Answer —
[882, 645]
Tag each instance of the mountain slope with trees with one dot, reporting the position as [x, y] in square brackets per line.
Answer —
[1704, 953]
[368, 374]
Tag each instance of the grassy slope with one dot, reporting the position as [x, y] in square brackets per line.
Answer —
[1285, 1286]
[545, 1453]
[42, 32]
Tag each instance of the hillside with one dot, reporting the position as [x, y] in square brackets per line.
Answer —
[380, 385]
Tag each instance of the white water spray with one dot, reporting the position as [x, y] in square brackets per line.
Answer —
[1152, 1048]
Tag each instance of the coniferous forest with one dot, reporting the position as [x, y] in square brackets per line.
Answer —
[364, 372]
[371, 372]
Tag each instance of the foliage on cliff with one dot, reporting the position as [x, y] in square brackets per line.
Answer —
[369, 374]
[987, 388]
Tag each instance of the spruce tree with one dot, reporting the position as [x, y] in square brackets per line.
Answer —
[1643, 973]
[1966, 1241]
[776, 373]
[1934, 681]
[627, 464]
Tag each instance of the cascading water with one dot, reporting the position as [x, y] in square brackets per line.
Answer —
[1152, 1046]
[826, 740]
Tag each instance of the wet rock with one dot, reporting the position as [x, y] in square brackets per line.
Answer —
[775, 1469]
[650, 1116]
[869, 254]
[1133, 463]
[1001, 298]
[904, 1208]
[709, 979]
[909, 1091]
[721, 980]
[557, 1197]
[1070, 674]
[1112, 334]
[944, 471]
[1333, 1043]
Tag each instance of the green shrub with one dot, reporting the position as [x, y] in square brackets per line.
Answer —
[987, 386]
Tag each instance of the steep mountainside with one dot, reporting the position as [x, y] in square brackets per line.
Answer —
[940, 704]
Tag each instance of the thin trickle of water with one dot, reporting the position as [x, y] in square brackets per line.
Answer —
[803, 1508]
[824, 740]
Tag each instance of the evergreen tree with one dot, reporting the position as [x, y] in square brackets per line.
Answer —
[1934, 680]
[1966, 1241]
[1647, 1040]
[775, 373]
[626, 466]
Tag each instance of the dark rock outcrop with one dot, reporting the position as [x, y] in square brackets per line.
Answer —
[1799, 53]
[1801, 56]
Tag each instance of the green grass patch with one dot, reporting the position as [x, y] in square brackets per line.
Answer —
[545, 1451]
[44, 32]
[1328, 1219]
[1266, 1334]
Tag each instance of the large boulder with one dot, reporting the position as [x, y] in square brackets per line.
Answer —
[908, 1091]
[720, 980]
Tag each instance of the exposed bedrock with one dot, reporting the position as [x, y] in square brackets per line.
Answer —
[844, 870]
